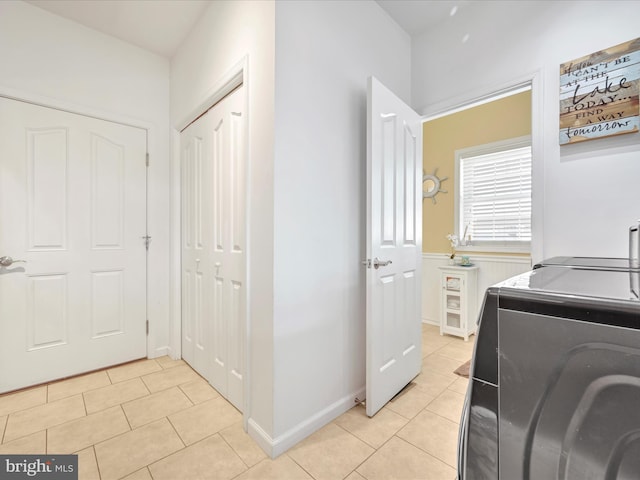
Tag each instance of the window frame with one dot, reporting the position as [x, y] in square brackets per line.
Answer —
[476, 150]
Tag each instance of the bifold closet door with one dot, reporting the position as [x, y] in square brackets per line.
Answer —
[213, 246]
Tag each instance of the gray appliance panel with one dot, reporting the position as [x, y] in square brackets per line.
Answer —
[482, 444]
[569, 399]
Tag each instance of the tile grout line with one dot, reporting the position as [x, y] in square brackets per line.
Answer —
[95, 457]
[184, 448]
[131, 430]
[445, 418]
[425, 409]
[193, 404]
[4, 429]
[294, 461]
[84, 405]
[233, 449]
[422, 449]
[176, 430]
[375, 450]
[427, 453]
[126, 418]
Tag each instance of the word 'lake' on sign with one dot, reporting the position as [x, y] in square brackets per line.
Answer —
[599, 94]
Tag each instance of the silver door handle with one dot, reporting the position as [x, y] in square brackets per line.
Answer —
[376, 263]
[8, 261]
[380, 263]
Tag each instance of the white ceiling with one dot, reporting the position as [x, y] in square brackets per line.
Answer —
[160, 26]
[418, 16]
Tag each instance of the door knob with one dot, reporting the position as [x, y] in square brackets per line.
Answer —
[8, 261]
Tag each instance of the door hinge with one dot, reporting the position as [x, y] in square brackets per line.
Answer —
[146, 161]
[147, 327]
[147, 241]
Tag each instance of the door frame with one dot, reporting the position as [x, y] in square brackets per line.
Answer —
[494, 92]
[233, 78]
[151, 145]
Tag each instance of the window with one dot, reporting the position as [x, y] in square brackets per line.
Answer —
[493, 185]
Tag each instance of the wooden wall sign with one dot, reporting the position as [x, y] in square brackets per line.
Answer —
[599, 94]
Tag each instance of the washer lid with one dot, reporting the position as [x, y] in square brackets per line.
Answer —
[579, 282]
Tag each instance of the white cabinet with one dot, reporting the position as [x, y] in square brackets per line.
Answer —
[459, 300]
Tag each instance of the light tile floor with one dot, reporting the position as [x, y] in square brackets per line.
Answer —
[158, 419]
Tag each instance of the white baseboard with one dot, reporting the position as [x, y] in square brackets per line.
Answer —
[275, 447]
[261, 437]
[161, 352]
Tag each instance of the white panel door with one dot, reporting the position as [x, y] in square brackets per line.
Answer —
[213, 246]
[394, 244]
[73, 206]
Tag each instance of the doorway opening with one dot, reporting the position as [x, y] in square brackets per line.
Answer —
[480, 149]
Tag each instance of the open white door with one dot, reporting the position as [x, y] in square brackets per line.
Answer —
[394, 245]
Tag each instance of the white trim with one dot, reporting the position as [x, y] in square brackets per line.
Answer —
[175, 250]
[161, 352]
[99, 114]
[525, 260]
[495, 248]
[493, 147]
[428, 321]
[232, 79]
[71, 107]
[479, 97]
[262, 438]
[537, 170]
[277, 446]
[243, 67]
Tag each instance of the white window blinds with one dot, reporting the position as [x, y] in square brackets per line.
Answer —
[495, 197]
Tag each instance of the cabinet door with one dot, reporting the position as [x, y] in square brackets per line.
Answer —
[452, 302]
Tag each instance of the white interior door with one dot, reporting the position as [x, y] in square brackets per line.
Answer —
[213, 246]
[394, 245]
[72, 205]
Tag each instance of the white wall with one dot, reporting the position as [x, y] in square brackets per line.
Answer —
[325, 51]
[590, 193]
[227, 33]
[56, 61]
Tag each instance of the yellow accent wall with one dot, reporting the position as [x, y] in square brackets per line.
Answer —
[501, 119]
